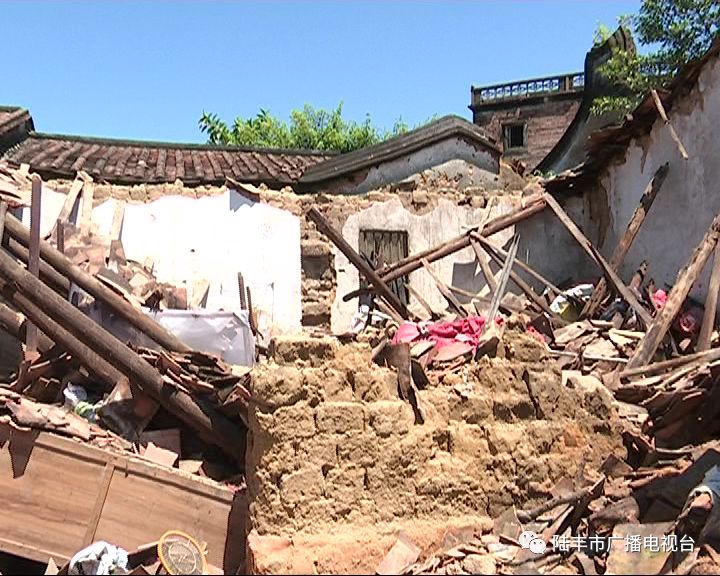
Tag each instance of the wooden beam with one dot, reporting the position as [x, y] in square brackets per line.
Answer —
[533, 205]
[88, 195]
[33, 265]
[483, 263]
[241, 291]
[520, 283]
[444, 290]
[633, 227]
[666, 120]
[363, 267]
[685, 280]
[704, 357]
[24, 289]
[15, 324]
[48, 274]
[97, 289]
[519, 263]
[703, 342]
[502, 284]
[60, 231]
[585, 244]
[70, 199]
[416, 294]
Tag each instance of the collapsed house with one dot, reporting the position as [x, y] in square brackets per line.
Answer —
[401, 351]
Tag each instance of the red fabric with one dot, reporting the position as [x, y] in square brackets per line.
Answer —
[443, 333]
[535, 334]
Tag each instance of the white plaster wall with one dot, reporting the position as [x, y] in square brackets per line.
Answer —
[210, 238]
[690, 197]
[446, 221]
[544, 243]
[485, 164]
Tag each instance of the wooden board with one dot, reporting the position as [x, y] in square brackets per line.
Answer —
[58, 492]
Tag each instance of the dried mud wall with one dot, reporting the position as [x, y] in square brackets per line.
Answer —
[333, 450]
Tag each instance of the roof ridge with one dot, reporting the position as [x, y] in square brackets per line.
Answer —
[176, 145]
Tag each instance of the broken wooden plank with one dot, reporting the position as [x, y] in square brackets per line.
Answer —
[31, 331]
[359, 262]
[444, 290]
[538, 300]
[211, 425]
[519, 263]
[622, 248]
[484, 264]
[703, 341]
[70, 199]
[416, 294]
[502, 284]
[117, 221]
[685, 280]
[241, 291]
[586, 245]
[88, 193]
[97, 289]
[60, 232]
[533, 205]
[666, 120]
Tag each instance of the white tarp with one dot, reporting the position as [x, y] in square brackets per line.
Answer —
[226, 334]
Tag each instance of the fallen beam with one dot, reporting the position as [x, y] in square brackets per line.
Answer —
[97, 289]
[685, 280]
[48, 274]
[703, 342]
[94, 363]
[483, 263]
[633, 227]
[363, 267]
[27, 291]
[534, 205]
[444, 290]
[33, 265]
[15, 324]
[520, 283]
[666, 120]
[519, 263]
[586, 245]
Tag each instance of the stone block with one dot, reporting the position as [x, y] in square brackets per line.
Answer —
[388, 417]
[320, 450]
[279, 386]
[505, 438]
[305, 484]
[340, 417]
[371, 384]
[472, 408]
[288, 422]
[358, 447]
[303, 348]
[480, 564]
[315, 249]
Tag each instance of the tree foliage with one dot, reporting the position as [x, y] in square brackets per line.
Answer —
[308, 129]
[675, 31]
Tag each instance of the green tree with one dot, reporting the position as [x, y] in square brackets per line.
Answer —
[674, 31]
[308, 129]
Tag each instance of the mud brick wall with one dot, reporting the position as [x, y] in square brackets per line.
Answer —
[332, 445]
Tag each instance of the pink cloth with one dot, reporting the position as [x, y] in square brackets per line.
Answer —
[467, 330]
[659, 298]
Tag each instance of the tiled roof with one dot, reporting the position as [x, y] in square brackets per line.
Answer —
[440, 129]
[135, 162]
[15, 122]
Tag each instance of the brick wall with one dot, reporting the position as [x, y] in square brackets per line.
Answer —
[546, 121]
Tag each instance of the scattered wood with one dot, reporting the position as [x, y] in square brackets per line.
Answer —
[444, 290]
[363, 267]
[623, 246]
[585, 244]
[685, 280]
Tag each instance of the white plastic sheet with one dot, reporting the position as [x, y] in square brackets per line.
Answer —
[226, 334]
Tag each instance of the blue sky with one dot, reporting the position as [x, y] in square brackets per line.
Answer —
[147, 70]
